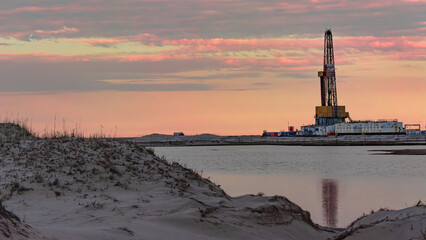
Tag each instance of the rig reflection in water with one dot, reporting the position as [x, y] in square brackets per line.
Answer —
[329, 201]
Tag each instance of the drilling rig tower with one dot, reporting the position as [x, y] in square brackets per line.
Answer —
[329, 112]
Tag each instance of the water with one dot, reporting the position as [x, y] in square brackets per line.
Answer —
[335, 184]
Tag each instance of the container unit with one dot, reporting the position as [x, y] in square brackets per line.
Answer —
[316, 130]
[320, 131]
[307, 130]
[370, 127]
[287, 134]
[349, 128]
[387, 127]
[413, 132]
[413, 129]
[278, 134]
[330, 130]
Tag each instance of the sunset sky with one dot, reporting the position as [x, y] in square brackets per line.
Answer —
[135, 67]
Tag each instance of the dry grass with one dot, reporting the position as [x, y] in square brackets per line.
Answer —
[23, 129]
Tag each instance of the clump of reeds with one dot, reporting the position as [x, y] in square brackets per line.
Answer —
[18, 128]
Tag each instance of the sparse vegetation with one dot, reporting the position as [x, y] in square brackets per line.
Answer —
[11, 226]
[100, 174]
[150, 150]
[18, 128]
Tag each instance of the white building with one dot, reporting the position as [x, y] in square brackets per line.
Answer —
[370, 127]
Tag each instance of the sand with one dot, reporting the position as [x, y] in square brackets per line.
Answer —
[73, 188]
[110, 189]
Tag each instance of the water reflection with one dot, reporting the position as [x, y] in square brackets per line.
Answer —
[364, 182]
[330, 194]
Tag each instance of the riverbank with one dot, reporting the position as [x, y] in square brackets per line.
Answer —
[158, 140]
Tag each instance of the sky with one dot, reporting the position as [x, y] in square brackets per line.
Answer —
[228, 67]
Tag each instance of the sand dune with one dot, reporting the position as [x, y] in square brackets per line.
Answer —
[75, 188]
[109, 189]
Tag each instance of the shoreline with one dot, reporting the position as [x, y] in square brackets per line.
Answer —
[109, 189]
[400, 152]
[157, 140]
[114, 189]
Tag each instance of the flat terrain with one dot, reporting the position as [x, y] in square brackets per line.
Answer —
[402, 152]
[344, 140]
[77, 188]
[110, 189]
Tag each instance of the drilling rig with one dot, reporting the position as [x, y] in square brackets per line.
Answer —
[330, 117]
[329, 113]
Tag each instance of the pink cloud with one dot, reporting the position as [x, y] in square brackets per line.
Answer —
[145, 38]
[39, 34]
[54, 32]
[280, 52]
[367, 44]
[390, 43]
[210, 12]
[66, 8]
[38, 56]
[322, 1]
[221, 44]
[294, 7]
[410, 45]
[46, 57]
[409, 57]
[31, 9]
[152, 58]
[415, 1]
[412, 31]
[281, 62]
[324, 5]
[96, 42]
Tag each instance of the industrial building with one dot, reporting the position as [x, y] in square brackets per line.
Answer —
[370, 127]
[330, 118]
